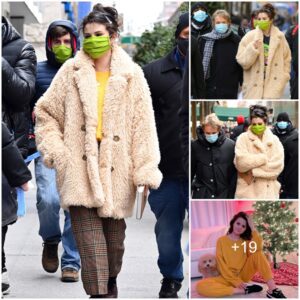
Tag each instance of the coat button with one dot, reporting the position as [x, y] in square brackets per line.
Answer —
[257, 72]
[83, 127]
[198, 189]
[267, 185]
[255, 85]
[116, 138]
[112, 168]
[211, 180]
[84, 157]
[52, 161]
[208, 148]
[210, 164]
[213, 196]
[275, 78]
[276, 65]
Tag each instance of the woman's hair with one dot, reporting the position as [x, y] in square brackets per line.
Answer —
[247, 235]
[268, 9]
[105, 15]
[213, 121]
[221, 13]
[258, 111]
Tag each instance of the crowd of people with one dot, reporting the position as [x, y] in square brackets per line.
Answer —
[256, 62]
[255, 162]
[101, 134]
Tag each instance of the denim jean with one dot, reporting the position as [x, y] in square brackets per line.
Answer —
[169, 204]
[48, 207]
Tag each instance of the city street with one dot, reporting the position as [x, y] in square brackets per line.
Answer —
[139, 278]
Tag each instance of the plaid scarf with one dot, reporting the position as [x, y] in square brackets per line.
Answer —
[210, 39]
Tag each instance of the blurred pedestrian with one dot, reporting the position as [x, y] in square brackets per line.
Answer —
[243, 27]
[259, 159]
[265, 57]
[170, 202]
[283, 127]
[18, 83]
[95, 125]
[61, 43]
[212, 169]
[14, 174]
[242, 126]
[200, 20]
[222, 73]
[292, 38]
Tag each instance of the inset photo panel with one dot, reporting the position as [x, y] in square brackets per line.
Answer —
[244, 150]
[244, 249]
[244, 50]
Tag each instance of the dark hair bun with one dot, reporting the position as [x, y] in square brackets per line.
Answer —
[258, 111]
[269, 9]
[111, 12]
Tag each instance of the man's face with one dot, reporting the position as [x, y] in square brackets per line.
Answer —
[63, 40]
[184, 34]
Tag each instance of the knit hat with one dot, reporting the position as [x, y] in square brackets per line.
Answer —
[182, 23]
[240, 119]
[283, 117]
[198, 5]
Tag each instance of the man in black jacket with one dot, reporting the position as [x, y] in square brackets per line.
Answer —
[14, 174]
[18, 83]
[170, 201]
[61, 43]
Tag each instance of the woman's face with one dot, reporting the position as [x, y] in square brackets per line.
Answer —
[95, 29]
[208, 129]
[262, 17]
[239, 226]
[221, 20]
[257, 121]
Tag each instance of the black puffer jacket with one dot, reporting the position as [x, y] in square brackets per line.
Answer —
[18, 83]
[14, 174]
[165, 79]
[213, 168]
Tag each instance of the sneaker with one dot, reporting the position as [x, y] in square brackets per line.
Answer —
[169, 288]
[254, 288]
[69, 275]
[5, 283]
[276, 293]
[50, 260]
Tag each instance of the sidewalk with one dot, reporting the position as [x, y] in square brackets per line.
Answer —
[139, 278]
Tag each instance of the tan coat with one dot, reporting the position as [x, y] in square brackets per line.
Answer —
[266, 160]
[67, 118]
[252, 61]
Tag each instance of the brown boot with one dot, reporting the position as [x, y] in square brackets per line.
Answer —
[69, 275]
[50, 260]
[112, 288]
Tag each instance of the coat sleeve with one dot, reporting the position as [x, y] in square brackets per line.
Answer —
[247, 54]
[274, 165]
[244, 160]
[145, 146]
[223, 268]
[13, 165]
[19, 80]
[50, 114]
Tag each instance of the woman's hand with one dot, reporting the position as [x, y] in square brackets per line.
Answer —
[257, 44]
[248, 177]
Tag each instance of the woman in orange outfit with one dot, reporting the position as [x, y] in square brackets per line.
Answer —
[239, 256]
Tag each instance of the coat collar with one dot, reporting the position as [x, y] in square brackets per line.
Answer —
[169, 62]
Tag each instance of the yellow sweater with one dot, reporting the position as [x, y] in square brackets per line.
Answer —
[230, 262]
[102, 79]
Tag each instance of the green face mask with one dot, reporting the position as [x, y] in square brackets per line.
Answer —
[62, 53]
[255, 23]
[263, 24]
[96, 46]
[258, 129]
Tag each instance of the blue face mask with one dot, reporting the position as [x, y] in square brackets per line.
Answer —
[200, 15]
[282, 124]
[212, 138]
[221, 28]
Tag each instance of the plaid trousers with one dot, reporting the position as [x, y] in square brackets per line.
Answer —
[100, 242]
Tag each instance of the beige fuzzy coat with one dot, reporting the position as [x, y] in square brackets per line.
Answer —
[67, 118]
[266, 160]
[252, 61]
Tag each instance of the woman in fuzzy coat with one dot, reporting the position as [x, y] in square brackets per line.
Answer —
[96, 127]
[265, 56]
[259, 159]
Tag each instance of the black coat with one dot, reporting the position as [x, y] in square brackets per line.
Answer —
[225, 73]
[164, 78]
[14, 174]
[290, 171]
[197, 75]
[199, 29]
[283, 134]
[212, 169]
[18, 83]
[236, 131]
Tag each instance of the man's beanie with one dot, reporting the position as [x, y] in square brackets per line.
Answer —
[198, 5]
[283, 117]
